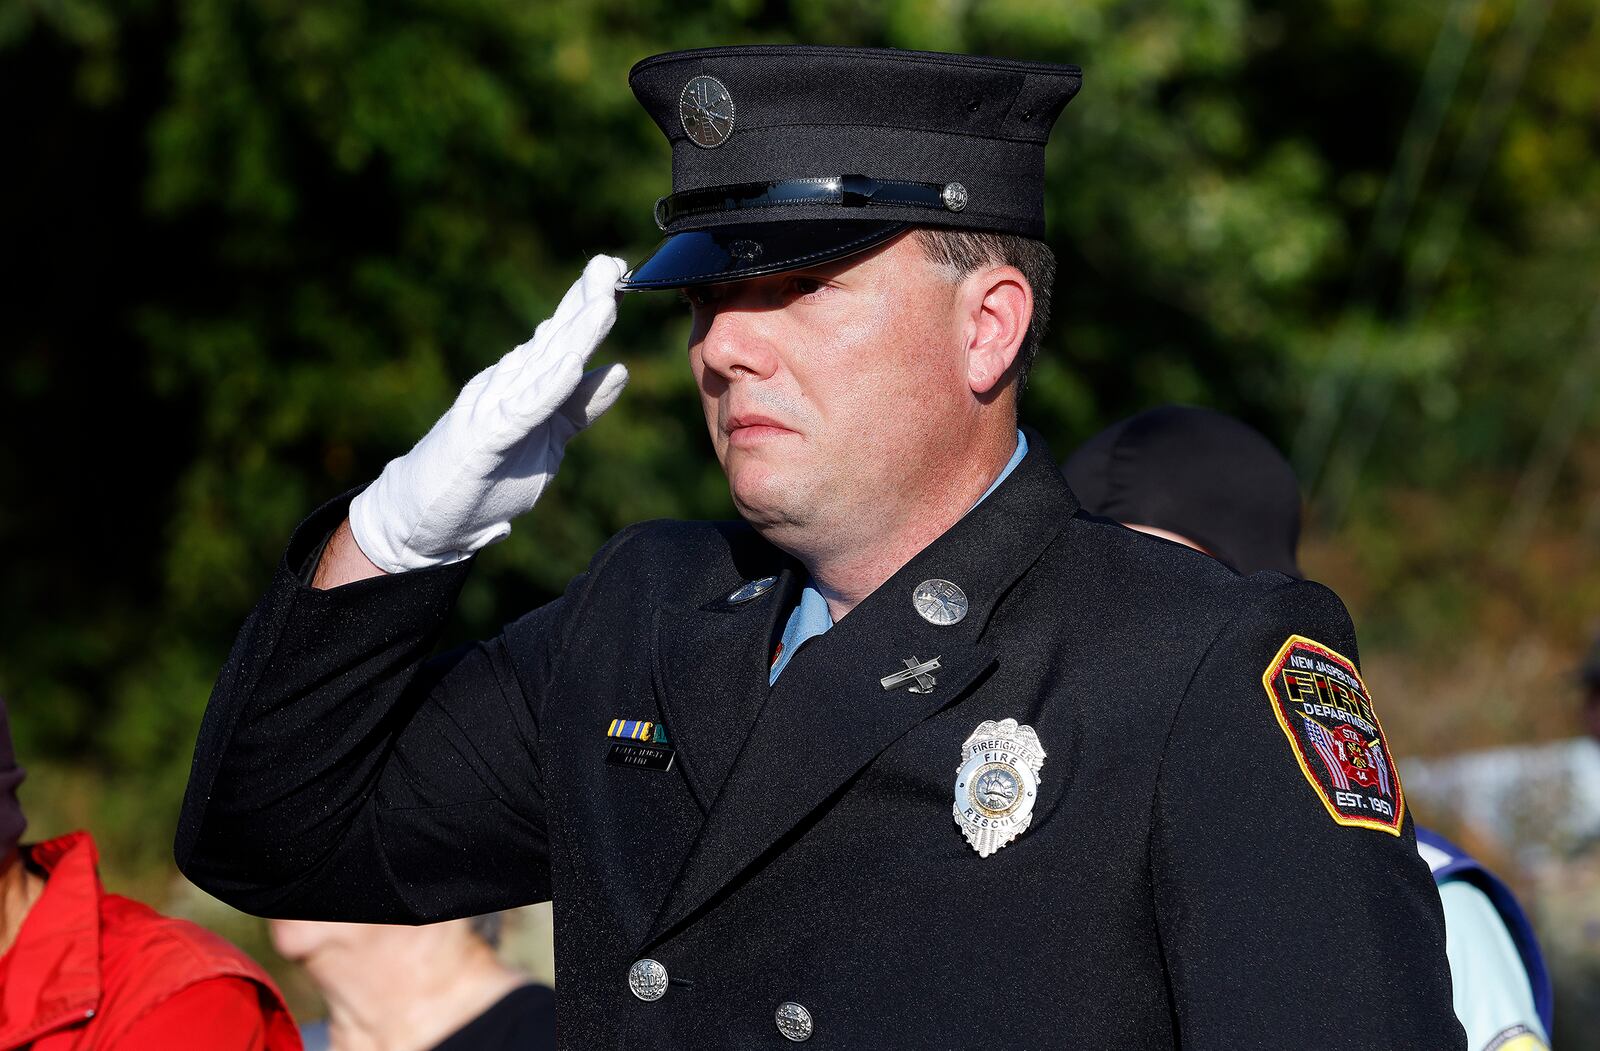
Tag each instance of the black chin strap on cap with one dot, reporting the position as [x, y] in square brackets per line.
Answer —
[849, 191]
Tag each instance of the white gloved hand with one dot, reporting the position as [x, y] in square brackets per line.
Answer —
[490, 456]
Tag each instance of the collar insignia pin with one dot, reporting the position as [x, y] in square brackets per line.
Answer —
[997, 784]
[751, 589]
[916, 673]
[940, 602]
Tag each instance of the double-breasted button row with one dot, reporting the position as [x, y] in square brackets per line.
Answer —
[648, 978]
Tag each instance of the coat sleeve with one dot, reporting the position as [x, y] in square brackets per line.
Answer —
[1280, 924]
[343, 773]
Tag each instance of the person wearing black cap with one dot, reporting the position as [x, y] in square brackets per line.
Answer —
[1197, 477]
[913, 755]
[1213, 483]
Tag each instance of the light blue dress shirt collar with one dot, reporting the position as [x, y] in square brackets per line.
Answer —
[810, 616]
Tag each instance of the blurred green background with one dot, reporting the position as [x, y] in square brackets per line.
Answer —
[254, 246]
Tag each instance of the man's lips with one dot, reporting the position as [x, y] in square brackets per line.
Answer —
[751, 419]
[752, 427]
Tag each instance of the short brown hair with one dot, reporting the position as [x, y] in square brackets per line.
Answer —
[966, 251]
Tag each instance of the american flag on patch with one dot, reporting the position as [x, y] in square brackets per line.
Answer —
[1375, 756]
[1326, 747]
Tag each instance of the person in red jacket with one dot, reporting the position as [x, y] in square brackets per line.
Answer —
[83, 970]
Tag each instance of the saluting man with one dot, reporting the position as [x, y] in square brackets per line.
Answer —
[913, 755]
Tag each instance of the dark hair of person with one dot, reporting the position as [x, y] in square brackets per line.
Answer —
[966, 251]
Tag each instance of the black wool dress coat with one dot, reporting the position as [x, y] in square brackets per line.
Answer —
[1182, 883]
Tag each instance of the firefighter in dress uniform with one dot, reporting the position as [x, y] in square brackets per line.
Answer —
[913, 754]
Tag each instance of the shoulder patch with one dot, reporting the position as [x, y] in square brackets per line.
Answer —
[1326, 713]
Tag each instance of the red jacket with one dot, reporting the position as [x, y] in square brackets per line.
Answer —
[92, 971]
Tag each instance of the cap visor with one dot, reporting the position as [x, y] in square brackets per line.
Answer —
[738, 251]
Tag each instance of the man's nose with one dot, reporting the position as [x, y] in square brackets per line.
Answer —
[737, 344]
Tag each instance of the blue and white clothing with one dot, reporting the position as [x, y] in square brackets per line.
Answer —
[1502, 989]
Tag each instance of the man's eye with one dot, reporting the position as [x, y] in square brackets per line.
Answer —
[805, 286]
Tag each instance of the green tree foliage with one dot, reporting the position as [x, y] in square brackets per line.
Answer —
[256, 245]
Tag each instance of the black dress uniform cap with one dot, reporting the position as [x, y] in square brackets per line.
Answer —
[1198, 473]
[785, 156]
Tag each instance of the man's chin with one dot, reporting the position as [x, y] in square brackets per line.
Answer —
[765, 498]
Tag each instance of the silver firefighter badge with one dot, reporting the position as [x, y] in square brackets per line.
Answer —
[997, 784]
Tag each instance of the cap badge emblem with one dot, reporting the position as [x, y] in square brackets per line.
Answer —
[954, 196]
[706, 110]
[751, 589]
[940, 602]
[997, 784]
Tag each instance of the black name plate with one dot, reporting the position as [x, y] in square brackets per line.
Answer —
[644, 756]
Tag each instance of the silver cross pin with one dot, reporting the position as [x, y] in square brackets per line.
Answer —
[916, 672]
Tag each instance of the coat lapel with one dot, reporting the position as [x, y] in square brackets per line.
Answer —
[828, 716]
[711, 667]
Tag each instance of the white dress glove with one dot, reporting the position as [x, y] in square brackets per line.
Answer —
[490, 456]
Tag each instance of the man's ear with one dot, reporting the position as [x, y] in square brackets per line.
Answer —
[999, 308]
